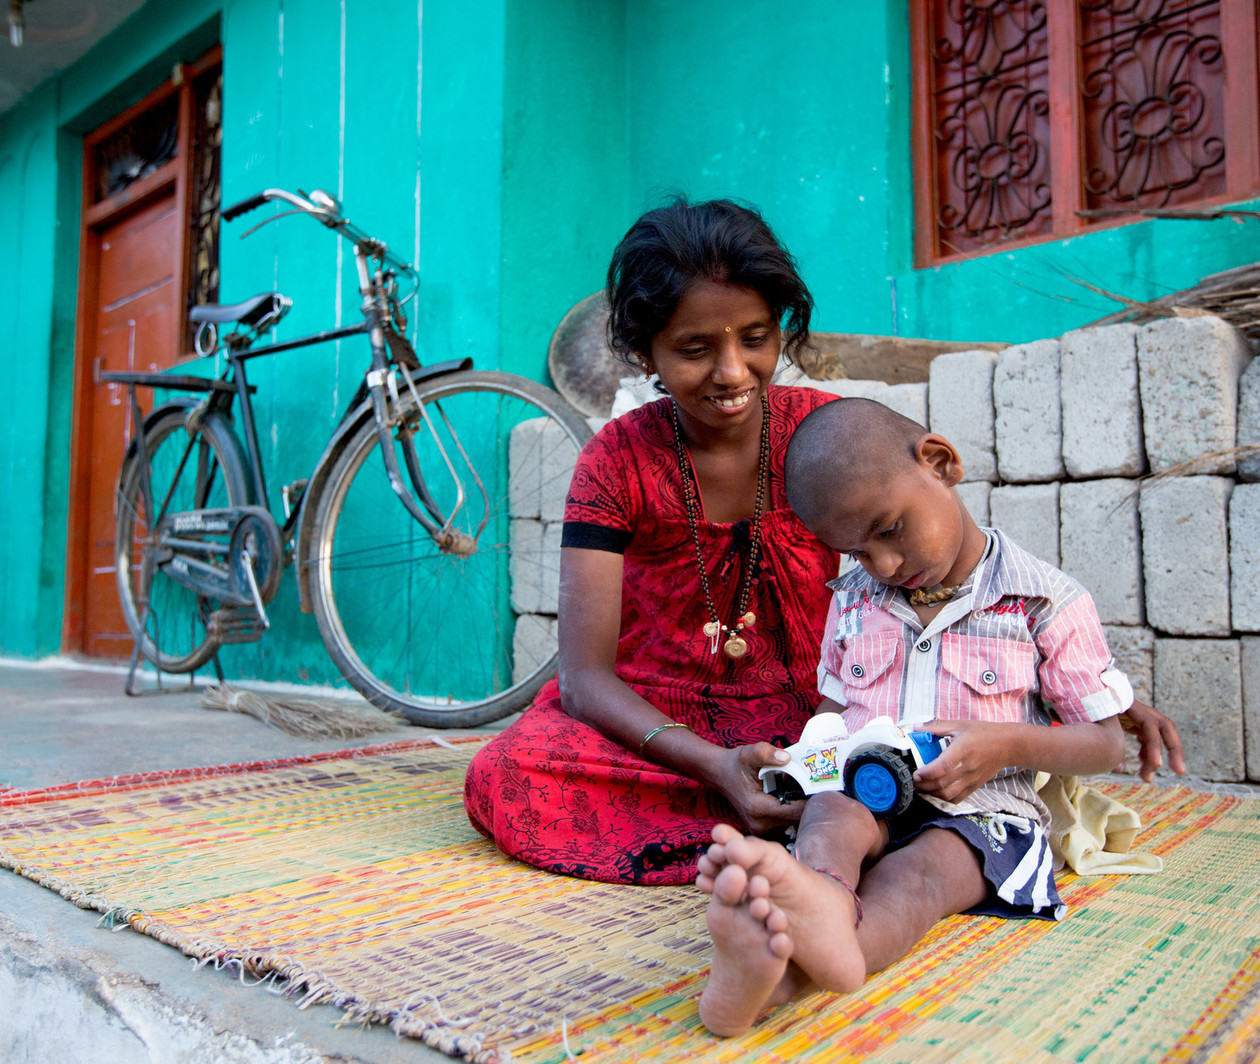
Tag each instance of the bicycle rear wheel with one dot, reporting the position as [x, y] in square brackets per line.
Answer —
[444, 639]
[206, 469]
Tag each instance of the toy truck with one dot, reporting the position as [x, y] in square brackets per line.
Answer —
[875, 765]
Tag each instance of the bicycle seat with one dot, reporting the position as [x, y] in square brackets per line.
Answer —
[249, 312]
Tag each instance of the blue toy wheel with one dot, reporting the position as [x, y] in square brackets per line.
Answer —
[880, 779]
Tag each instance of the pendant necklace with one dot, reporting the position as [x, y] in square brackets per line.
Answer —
[734, 646]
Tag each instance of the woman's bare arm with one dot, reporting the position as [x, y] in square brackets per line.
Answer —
[590, 691]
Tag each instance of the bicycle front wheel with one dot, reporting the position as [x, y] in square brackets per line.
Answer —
[448, 638]
[185, 472]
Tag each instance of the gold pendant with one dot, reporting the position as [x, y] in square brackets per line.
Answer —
[735, 646]
[711, 629]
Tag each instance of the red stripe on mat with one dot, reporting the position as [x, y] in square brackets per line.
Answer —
[140, 781]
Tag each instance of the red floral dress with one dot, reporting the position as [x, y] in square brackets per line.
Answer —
[556, 793]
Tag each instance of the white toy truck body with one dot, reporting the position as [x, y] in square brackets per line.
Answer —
[875, 765]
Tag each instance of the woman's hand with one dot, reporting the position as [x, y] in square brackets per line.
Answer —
[1154, 732]
[977, 752]
[735, 775]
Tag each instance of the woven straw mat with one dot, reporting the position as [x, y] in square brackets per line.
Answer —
[355, 879]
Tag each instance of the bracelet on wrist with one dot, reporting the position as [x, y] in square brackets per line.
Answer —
[656, 731]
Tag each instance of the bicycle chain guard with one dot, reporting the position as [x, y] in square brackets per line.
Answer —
[207, 552]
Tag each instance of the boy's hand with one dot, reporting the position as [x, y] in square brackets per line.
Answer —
[1154, 732]
[977, 752]
[738, 782]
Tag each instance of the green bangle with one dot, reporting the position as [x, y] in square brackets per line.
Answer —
[656, 731]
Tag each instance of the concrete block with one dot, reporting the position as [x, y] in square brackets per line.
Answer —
[975, 496]
[1133, 647]
[1134, 651]
[1248, 430]
[960, 408]
[1102, 412]
[535, 566]
[1251, 704]
[533, 643]
[1100, 544]
[556, 458]
[1185, 554]
[1029, 514]
[1188, 370]
[1027, 426]
[524, 465]
[525, 568]
[909, 400]
[1244, 557]
[1198, 683]
[549, 563]
[852, 389]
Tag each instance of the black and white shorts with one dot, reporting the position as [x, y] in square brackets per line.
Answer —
[1014, 854]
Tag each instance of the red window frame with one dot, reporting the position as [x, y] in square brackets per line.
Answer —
[1061, 70]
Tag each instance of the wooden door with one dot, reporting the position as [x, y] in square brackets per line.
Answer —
[138, 253]
[137, 327]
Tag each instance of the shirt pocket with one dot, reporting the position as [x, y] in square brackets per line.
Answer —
[871, 671]
[985, 679]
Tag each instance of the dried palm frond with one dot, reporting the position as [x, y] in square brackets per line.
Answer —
[299, 715]
[1209, 460]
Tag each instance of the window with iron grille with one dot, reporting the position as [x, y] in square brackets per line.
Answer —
[1038, 119]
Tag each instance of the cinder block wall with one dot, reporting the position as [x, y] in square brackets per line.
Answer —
[1059, 438]
[1060, 457]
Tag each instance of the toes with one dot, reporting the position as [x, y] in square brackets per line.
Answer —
[758, 886]
[724, 833]
[759, 908]
[730, 885]
[776, 920]
[780, 945]
[704, 883]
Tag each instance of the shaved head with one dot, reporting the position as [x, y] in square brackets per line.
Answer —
[843, 443]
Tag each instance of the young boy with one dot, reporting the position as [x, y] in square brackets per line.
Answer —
[946, 627]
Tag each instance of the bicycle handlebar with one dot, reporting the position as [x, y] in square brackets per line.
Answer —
[327, 211]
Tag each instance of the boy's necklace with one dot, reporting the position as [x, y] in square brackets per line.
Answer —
[735, 646]
[930, 596]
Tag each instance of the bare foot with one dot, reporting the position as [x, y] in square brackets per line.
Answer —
[820, 915]
[713, 860]
[750, 956]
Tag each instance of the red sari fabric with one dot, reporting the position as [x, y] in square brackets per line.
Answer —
[556, 793]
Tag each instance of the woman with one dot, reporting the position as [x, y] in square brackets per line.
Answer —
[691, 598]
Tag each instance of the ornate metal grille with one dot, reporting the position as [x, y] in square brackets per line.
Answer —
[1152, 74]
[991, 111]
[207, 139]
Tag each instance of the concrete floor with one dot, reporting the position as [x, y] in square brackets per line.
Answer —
[73, 991]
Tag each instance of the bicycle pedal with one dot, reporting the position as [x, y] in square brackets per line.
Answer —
[235, 624]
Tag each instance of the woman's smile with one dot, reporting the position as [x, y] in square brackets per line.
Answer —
[716, 355]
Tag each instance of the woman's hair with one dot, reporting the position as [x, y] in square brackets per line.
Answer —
[669, 249]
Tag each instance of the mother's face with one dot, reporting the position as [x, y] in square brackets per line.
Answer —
[716, 355]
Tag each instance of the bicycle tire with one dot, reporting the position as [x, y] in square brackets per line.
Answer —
[436, 637]
[173, 634]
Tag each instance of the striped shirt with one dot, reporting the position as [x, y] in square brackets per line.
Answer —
[1019, 632]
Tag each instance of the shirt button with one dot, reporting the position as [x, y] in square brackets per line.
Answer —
[988, 676]
[924, 644]
[858, 671]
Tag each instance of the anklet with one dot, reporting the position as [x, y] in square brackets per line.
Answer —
[857, 902]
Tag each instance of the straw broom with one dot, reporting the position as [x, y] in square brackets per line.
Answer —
[308, 717]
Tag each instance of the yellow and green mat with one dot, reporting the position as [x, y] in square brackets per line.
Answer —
[355, 879]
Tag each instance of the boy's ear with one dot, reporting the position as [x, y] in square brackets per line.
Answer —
[937, 454]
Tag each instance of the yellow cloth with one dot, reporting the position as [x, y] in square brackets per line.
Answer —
[1091, 833]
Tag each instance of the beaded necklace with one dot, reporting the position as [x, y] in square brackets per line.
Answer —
[734, 646]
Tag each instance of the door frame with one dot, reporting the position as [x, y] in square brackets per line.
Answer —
[177, 174]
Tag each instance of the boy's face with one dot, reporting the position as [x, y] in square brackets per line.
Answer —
[910, 531]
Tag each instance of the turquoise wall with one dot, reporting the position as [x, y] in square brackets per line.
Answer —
[504, 146]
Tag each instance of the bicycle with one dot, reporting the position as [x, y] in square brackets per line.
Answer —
[412, 537]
